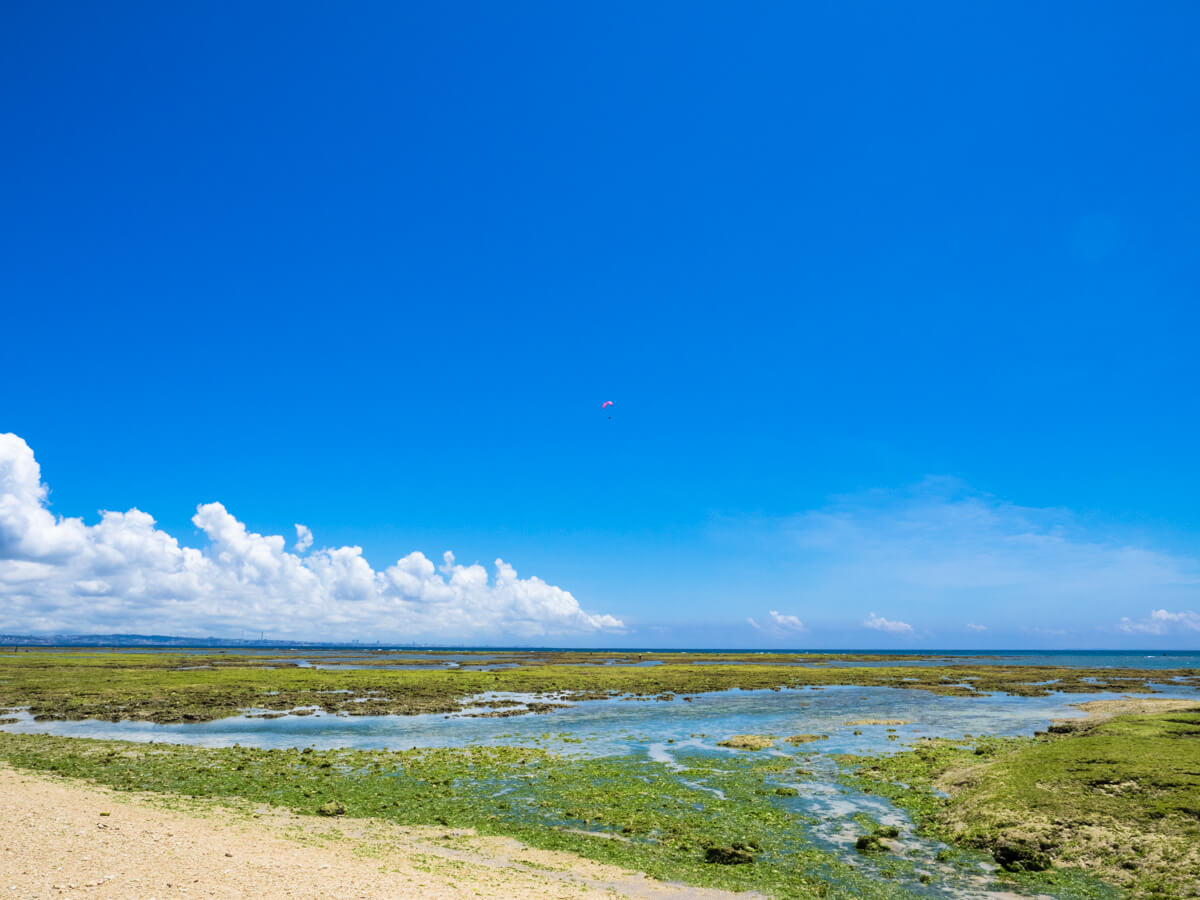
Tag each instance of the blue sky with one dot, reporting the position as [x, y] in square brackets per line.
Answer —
[881, 296]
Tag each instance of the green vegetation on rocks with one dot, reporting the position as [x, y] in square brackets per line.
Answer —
[796, 739]
[747, 742]
[1117, 798]
[175, 687]
[728, 833]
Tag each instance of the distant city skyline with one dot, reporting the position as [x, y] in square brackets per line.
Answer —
[897, 311]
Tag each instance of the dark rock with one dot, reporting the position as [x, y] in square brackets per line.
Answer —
[728, 856]
[1020, 856]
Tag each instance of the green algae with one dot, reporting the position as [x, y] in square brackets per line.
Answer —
[797, 739]
[747, 742]
[176, 687]
[1114, 801]
[625, 811]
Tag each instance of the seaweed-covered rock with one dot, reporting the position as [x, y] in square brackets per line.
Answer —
[331, 808]
[787, 792]
[869, 843]
[733, 855]
[747, 742]
[1020, 856]
[873, 843]
[806, 738]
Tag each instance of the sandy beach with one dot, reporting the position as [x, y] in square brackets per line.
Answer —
[68, 839]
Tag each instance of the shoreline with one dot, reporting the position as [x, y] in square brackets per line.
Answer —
[67, 838]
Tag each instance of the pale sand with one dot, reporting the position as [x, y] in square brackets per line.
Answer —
[54, 843]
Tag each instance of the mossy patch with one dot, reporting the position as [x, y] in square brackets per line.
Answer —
[1118, 799]
[704, 827]
[747, 742]
[805, 738]
[182, 687]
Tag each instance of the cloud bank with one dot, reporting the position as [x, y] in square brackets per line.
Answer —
[938, 553]
[1162, 622]
[125, 574]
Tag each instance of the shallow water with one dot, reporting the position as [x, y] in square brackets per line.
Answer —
[1101, 659]
[1098, 659]
[482, 658]
[623, 726]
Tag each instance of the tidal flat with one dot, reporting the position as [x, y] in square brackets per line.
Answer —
[911, 779]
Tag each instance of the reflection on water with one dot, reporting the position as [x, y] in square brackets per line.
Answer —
[623, 726]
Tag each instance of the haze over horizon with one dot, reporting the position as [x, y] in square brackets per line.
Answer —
[308, 318]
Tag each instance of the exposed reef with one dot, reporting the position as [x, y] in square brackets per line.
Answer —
[1116, 795]
[172, 687]
[747, 742]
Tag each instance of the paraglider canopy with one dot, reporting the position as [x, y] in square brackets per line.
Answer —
[606, 404]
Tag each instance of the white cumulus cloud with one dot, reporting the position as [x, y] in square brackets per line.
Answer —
[791, 623]
[1161, 622]
[304, 538]
[125, 574]
[971, 626]
[879, 623]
